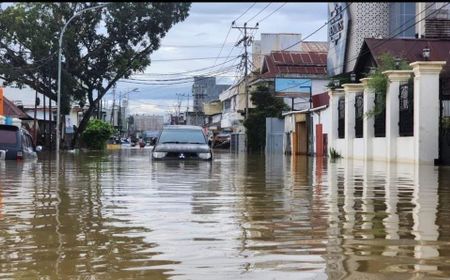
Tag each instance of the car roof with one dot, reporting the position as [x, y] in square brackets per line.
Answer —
[193, 127]
[9, 127]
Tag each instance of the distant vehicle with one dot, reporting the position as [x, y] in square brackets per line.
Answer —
[16, 144]
[222, 140]
[182, 142]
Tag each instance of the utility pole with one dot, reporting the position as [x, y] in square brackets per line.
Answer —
[246, 40]
[113, 104]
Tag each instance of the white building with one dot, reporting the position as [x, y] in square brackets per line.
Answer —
[148, 122]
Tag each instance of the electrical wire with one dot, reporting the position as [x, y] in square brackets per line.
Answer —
[190, 71]
[245, 12]
[314, 32]
[259, 12]
[264, 18]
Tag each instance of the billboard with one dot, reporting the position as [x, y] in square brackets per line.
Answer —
[292, 85]
[338, 26]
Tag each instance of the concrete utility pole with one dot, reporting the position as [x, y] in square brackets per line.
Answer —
[246, 40]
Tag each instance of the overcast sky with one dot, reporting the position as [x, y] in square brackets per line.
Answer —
[202, 34]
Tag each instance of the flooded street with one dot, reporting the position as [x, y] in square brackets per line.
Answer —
[120, 215]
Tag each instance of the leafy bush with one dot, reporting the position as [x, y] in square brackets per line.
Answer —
[96, 134]
[378, 81]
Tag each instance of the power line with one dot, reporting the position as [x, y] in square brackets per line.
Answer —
[261, 20]
[190, 71]
[183, 78]
[186, 59]
[245, 11]
[259, 12]
[317, 30]
[226, 37]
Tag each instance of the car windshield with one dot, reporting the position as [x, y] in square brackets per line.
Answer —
[182, 136]
[8, 137]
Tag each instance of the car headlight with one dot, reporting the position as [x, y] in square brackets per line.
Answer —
[204, 155]
[159, 154]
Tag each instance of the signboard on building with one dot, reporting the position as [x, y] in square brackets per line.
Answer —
[292, 85]
[338, 27]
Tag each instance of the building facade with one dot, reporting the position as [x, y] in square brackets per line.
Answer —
[204, 90]
[147, 122]
[351, 23]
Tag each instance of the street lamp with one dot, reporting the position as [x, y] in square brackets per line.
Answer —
[58, 112]
[426, 53]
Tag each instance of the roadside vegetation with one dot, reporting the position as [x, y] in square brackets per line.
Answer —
[97, 134]
[267, 106]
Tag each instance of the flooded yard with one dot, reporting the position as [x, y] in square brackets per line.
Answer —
[121, 215]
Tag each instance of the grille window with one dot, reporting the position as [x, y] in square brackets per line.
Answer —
[359, 114]
[406, 109]
[341, 117]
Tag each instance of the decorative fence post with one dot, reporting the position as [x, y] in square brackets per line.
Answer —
[426, 110]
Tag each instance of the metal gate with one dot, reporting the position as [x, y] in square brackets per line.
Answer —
[444, 126]
[274, 135]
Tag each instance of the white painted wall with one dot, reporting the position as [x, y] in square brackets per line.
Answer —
[420, 148]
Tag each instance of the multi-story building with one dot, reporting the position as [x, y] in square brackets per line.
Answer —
[148, 122]
[204, 90]
[352, 22]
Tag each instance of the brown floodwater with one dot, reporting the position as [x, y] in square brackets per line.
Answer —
[118, 215]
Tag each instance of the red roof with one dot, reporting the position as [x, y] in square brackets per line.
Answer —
[11, 110]
[300, 63]
[409, 49]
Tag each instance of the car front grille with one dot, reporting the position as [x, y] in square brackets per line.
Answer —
[178, 155]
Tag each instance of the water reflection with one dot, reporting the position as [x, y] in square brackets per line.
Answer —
[121, 215]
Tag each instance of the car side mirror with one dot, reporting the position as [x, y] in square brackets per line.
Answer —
[38, 149]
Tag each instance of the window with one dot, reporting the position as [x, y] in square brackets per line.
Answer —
[359, 115]
[380, 116]
[406, 109]
[180, 136]
[8, 137]
[341, 117]
[402, 15]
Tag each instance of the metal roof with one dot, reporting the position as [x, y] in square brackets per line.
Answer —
[408, 49]
[10, 109]
[299, 63]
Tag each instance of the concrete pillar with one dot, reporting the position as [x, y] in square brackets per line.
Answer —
[396, 77]
[334, 118]
[350, 92]
[426, 110]
[368, 122]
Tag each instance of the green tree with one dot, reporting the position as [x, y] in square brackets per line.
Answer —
[100, 46]
[96, 134]
[266, 106]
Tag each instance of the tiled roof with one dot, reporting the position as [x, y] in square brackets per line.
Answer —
[9, 109]
[288, 62]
